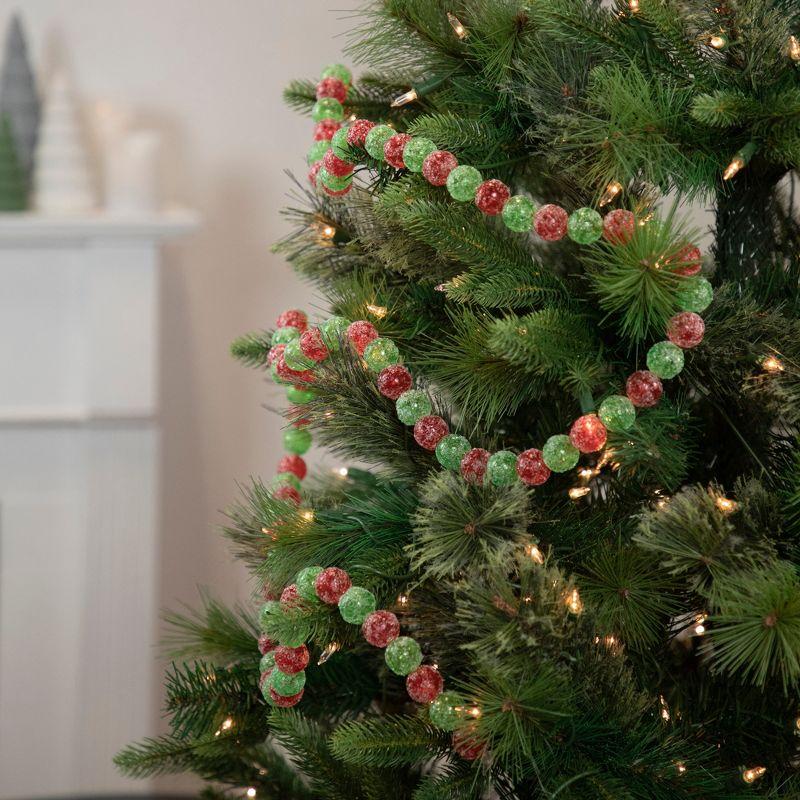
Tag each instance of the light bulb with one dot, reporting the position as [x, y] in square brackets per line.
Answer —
[752, 774]
[737, 162]
[573, 602]
[402, 600]
[251, 792]
[457, 26]
[342, 471]
[576, 492]
[718, 41]
[307, 514]
[330, 649]
[793, 48]
[377, 311]
[536, 554]
[664, 708]
[404, 99]
[633, 6]
[612, 190]
[772, 364]
[726, 505]
[680, 767]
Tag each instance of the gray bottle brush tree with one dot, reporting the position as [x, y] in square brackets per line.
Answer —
[19, 99]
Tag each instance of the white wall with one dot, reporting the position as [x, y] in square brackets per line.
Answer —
[208, 74]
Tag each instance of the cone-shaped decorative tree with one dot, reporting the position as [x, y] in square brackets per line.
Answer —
[19, 99]
[571, 571]
[62, 183]
[13, 188]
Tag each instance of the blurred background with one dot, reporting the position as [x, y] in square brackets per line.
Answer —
[124, 423]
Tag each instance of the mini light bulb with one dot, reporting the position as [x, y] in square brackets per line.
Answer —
[574, 602]
[307, 514]
[737, 162]
[587, 473]
[327, 232]
[633, 6]
[342, 472]
[612, 190]
[772, 364]
[330, 649]
[378, 312]
[752, 774]
[793, 48]
[251, 792]
[726, 505]
[457, 26]
[536, 554]
[718, 41]
[576, 492]
[402, 600]
[404, 99]
[680, 767]
[664, 708]
[474, 712]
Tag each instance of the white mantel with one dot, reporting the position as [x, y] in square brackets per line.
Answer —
[79, 506]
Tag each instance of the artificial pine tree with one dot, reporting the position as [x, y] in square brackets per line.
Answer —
[18, 96]
[570, 569]
[13, 186]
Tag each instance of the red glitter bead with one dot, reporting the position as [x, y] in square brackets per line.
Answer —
[424, 684]
[686, 329]
[286, 702]
[360, 334]
[335, 165]
[274, 353]
[466, 743]
[293, 464]
[473, 465]
[393, 149]
[380, 628]
[437, 166]
[531, 467]
[644, 389]
[393, 381]
[293, 375]
[618, 226]
[324, 130]
[313, 172]
[332, 87]
[293, 318]
[339, 192]
[291, 659]
[690, 259]
[491, 196]
[265, 644]
[550, 222]
[289, 596]
[312, 346]
[429, 430]
[287, 492]
[588, 434]
[331, 584]
[358, 131]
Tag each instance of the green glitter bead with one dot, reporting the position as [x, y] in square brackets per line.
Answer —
[267, 662]
[296, 636]
[305, 583]
[283, 478]
[284, 335]
[339, 71]
[518, 214]
[403, 655]
[463, 182]
[334, 182]
[665, 359]
[296, 440]
[294, 358]
[585, 226]
[356, 604]
[381, 353]
[267, 613]
[560, 454]
[340, 146]
[299, 396]
[332, 330]
[617, 413]
[695, 294]
[376, 139]
[501, 468]
[412, 405]
[287, 685]
[416, 151]
[445, 710]
[317, 152]
[327, 108]
[451, 449]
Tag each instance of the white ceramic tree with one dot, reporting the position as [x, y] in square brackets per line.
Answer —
[19, 100]
[62, 183]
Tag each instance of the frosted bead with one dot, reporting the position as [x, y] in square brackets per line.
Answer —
[501, 469]
[665, 359]
[412, 405]
[416, 151]
[518, 214]
[585, 226]
[463, 182]
[376, 140]
[560, 454]
[403, 655]
[451, 449]
[356, 604]
[617, 413]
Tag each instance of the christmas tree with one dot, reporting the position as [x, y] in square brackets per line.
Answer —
[559, 558]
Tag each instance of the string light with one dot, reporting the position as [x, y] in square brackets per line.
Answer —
[612, 190]
[402, 600]
[573, 602]
[718, 41]
[680, 767]
[251, 792]
[227, 724]
[700, 628]
[576, 492]
[797, 726]
[752, 774]
[404, 99]
[664, 708]
[327, 231]
[270, 532]
[772, 364]
[633, 6]
[457, 26]
[726, 505]
[793, 48]
[535, 554]
[330, 649]
[307, 514]
[587, 473]
[737, 162]
[379, 312]
[342, 472]
[474, 712]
